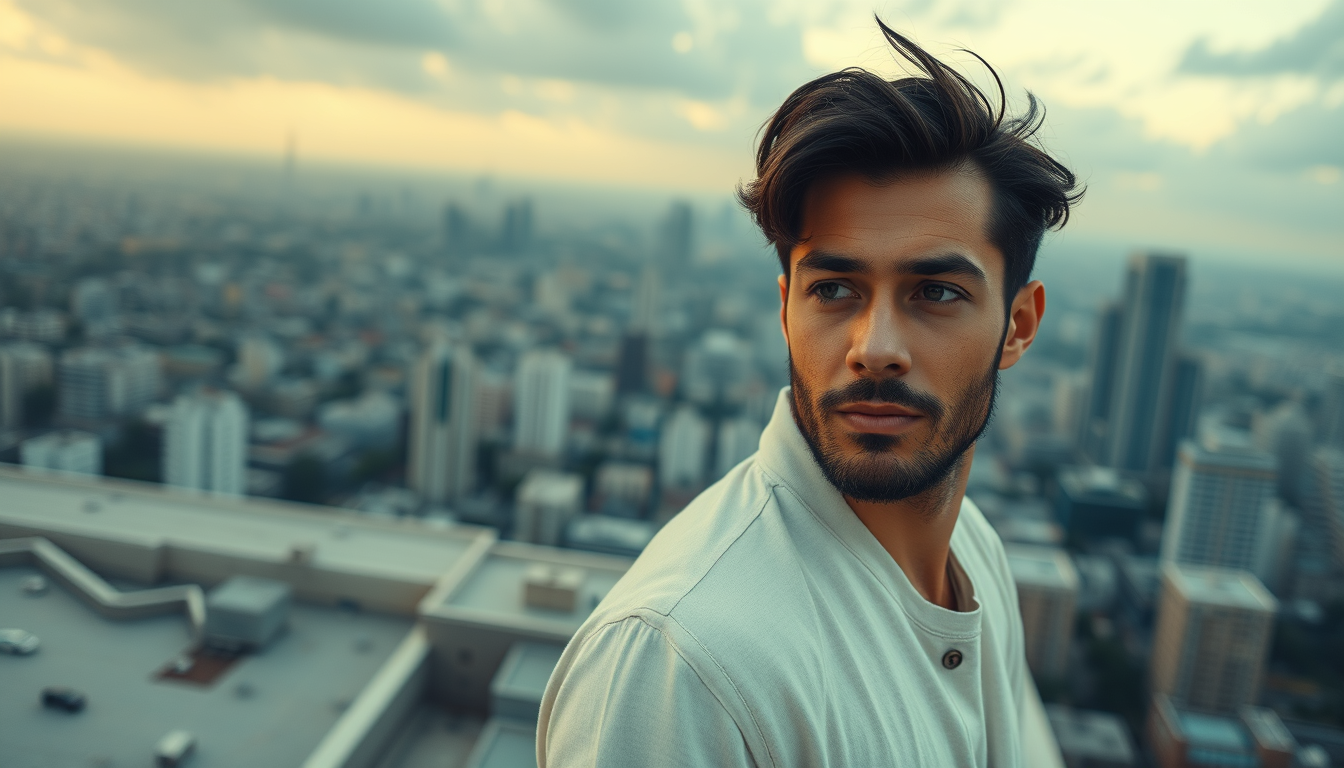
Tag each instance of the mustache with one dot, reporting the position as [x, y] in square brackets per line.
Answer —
[887, 390]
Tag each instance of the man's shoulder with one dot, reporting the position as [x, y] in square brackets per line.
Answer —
[690, 546]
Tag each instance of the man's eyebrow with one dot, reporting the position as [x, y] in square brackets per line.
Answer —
[828, 261]
[944, 264]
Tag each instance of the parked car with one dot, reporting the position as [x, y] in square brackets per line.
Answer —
[174, 749]
[34, 585]
[18, 642]
[60, 697]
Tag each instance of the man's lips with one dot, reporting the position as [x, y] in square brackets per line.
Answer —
[880, 418]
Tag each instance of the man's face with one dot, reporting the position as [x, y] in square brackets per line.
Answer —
[894, 315]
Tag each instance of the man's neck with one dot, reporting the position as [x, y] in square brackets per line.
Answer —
[917, 532]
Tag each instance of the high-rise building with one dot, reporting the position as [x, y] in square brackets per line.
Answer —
[23, 367]
[677, 236]
[682, 449]
[1285, 432]
[259, 360]
[1183, 738]
[1325, 500]
[1105, 354]
[64, 451]
[1332, 411]
[547, 500]
[1047, 592]
[442, 460]
[1214, 627]
[1220, 512]
[1184, 403]
[105, 382]
[205, 443]
[738, 438]
[541, 403]
[1145, 365]
[1099, 502]
[516, 235]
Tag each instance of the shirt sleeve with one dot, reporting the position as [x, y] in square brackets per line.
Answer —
[630, 698]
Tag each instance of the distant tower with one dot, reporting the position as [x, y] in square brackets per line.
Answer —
[1105, 353]
[99, 382]
[23, 366]
[456, 229]
[205, 443]
[1144, 371]
[682, 449]
[677, 236]
[443, 424]
[632, 362]
[1213, 630]
[1220, 512]
[516, 236]
[541, 403]
[1047, 592]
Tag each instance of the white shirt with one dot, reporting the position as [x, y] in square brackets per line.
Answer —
[765, 626]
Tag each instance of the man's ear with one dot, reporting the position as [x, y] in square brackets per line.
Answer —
[1024, 319]
[783, 307]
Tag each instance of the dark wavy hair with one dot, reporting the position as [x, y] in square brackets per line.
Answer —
[853, 121]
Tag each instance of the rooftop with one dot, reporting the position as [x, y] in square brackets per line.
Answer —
[1219, 586]
[1085, 735]
[149, 515]
[269, 709]
[1048, 567]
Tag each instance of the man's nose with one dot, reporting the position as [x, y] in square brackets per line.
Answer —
[878, 342]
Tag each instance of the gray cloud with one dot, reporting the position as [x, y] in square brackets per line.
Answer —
[607, 42]
[1316, 48]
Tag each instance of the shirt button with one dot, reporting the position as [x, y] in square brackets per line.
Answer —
[952, 659]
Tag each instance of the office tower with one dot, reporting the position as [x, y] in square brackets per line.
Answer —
[1285, 433]
[1187, 385]
[590, 395]
[442, 460]
[494, 396]
[1145, 362]
[371, 421]
[738, 438]
[516, 235]
[632, 364]
[676, 238]
[24, 366]
[259, 361]
[1214, 626]
[1325, 501]
[541, 403]
[681, 449]
[622, 489]
[1097, 410]
[1047, 592]
[717, 369]
[1255, 738]
[1220, 510]
[1098, 502]
[205, 443]
[1332, 411]
[456, 229]
[64, 451]
[547, 500]
[101, 383]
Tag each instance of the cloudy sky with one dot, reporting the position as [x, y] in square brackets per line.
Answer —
[1205, 124]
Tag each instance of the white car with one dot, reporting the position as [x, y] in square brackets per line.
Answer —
[18, 642]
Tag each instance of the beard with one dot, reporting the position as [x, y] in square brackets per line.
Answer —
[876, 473]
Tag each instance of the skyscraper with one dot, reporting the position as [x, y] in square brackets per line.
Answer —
[23, 366]
[442, 460]
[516, 235]
[1214, 626]
[547, 500]
[103, 382]
[1145, 362]
[1105, 353]
[541, 403]
[1220, 511]
[677, 235]
[682, 449]
[1332, 411]
[205, 443]
[1047, 592]
[1325, 500]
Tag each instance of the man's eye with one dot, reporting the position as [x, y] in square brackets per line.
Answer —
[828, 292]
[940, 294]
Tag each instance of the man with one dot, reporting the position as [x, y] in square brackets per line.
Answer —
[834, 600]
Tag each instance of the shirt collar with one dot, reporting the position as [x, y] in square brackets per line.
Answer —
[787, 459]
